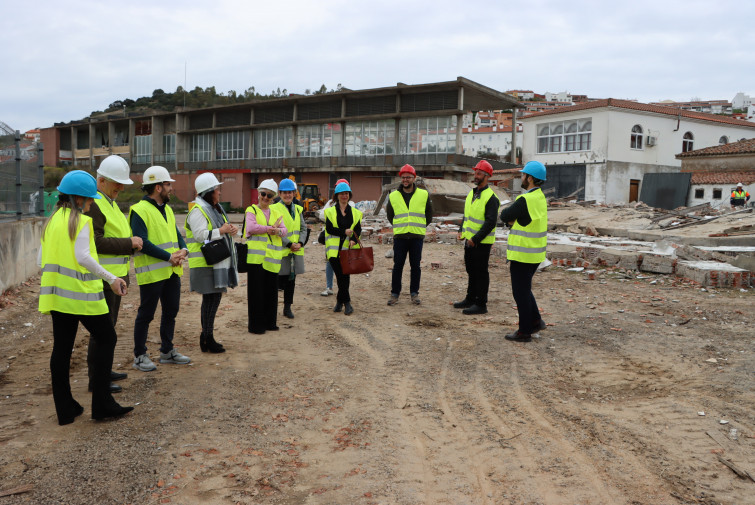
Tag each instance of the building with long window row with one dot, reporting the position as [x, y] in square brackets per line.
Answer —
[364, 136]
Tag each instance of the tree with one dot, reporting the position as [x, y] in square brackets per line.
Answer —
[156, 94]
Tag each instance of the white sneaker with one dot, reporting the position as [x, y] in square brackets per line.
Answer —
[327, 292]
[174, 357]
[143, 363]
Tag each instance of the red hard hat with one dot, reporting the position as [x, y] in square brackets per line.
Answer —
[484, 166]
[339, 181]
[407, 169]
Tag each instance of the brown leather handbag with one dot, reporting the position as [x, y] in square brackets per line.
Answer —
[357, 260]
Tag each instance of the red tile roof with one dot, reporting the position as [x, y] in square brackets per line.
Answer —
[741, 147]
[658, 109]
[732, 178]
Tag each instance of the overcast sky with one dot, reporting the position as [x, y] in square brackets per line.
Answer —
[63, 60]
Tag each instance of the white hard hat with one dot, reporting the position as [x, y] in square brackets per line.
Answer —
[156, 174]
[116, 169]
[205, 182]
[269, 185]
[740, 185]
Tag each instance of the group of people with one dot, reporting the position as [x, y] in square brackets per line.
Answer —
[88, 242]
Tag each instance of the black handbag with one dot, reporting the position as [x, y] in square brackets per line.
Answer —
[215, 251]
[241, 251]
[321, 237]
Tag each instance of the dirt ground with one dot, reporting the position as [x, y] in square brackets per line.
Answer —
[636, 393]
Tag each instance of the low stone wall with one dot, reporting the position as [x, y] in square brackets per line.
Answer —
[19, 246]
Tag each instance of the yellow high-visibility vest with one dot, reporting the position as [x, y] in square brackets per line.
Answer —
[116, 226]
[293, 225]
[66, 286]
[332, 241]
[474, 216]
[161, 231]
[262, 248]
[196, 258]
[527, 244]
[410, 219]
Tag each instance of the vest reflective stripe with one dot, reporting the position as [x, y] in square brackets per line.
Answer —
[66, 286]
[332, 241]
[116, 226]
[527, 244]
[161, 231]
[474, 216]
[739, 196]
[293, 225]
[410, 219]
[262, 248]
[196, 258]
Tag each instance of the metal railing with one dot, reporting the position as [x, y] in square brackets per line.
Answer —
[21, 178]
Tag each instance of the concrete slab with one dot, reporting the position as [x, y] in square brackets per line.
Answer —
[657, 263]
[713, 274]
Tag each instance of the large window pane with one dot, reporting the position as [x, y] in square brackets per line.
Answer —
[200, 148]
[273, 143]
[430, 135]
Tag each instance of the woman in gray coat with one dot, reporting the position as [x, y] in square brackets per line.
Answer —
[207, 222]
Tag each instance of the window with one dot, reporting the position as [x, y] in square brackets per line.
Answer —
[716, 193]
[636, 141]
[230, 145]
[318, 140]
[431, 135]
[699, 193]
[273, 143]
[370, 138]
[169, 147]
[688, 142]
[723, 140]
[143, 149]
[201, 147]
[564, 136]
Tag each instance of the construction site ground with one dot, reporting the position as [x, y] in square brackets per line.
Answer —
[640, 391]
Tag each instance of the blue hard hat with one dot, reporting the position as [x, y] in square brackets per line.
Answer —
[535, 169]
[342, 187]
[79, 183]
[287, 185]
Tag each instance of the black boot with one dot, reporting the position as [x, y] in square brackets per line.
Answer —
[105, 406]
[287, 311]
[466, 302]
[203, 342]
[338, 307]
[213, 346]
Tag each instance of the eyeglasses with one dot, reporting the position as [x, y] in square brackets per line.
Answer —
[266, 195]
[407, 177]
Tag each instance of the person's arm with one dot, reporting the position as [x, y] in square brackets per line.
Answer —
[253, 227]
[491, 218]
[428, 211]
[139, 229]
[517, 211]
[303, 230]
[199, 227]
[181, 241]
[389, 211]
[330, 229]
[84, 256]
[110, 245]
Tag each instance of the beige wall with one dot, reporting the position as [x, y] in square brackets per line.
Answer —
[19, 246]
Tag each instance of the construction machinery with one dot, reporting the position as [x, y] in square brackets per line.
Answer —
[310, 199]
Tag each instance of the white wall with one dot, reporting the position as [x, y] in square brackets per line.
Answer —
[497, 142]
[723, 202]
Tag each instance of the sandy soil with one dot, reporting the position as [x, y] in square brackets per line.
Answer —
[405, 404]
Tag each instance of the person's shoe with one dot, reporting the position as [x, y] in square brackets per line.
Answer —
[272, 328]
[111, 409]
[415, 299]
[112, 388]
[210, 345]
[143, 363]
[257, 332]
[327, 292]
[540, 326]
[287, 312]
[174, 357]
[475, 309]
[463, 304]
[393, 300]
[75, 411]
[338, 307]
[116, 376]
[518, 336]
[348, 309]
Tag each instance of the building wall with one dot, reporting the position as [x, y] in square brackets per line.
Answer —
[744, 162]
[610, 182]
[19, 246]
[51, 142]
[708, 192]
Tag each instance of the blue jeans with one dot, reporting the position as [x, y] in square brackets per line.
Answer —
[401, 248]
[328, 275]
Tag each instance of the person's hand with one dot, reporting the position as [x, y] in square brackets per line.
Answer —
[470, 243]
[349, 232]
[296, 246]
[228, 228]
[176, 258]
[351, 243]
[137, 243]
[458, 236]
[119, 286]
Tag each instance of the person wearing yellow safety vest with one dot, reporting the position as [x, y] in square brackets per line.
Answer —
[293, 243]
[71, 292]
[739, 197]
[263, 229]
[112, 236]
[478, 233]
[409, 210]
[208, 222]
[158, 267]
[525, 250]
[343, 224]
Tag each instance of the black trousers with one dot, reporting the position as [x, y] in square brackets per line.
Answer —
[288, 285]
[102, 345]
[114, 305]
[262, 297]
[210, 304]
[343, 281]
[521, 287]
[476, 261]
[401, 248]
[168, 293]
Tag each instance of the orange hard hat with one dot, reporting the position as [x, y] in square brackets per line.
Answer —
[407, 169]
[484, 166]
